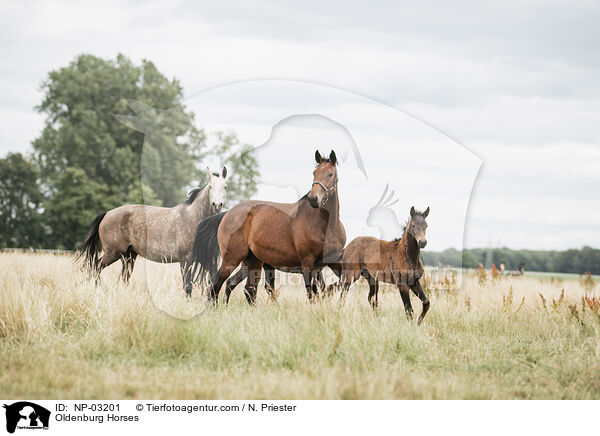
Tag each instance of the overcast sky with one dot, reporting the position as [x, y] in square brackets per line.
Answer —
[516, 83]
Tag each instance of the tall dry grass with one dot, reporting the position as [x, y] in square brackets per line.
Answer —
[61, 336]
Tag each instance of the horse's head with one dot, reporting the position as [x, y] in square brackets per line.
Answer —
[217, 189]
[417, 226]
[324, 179]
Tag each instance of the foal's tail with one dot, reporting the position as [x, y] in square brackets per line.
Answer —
[90, 248]
[206, 251]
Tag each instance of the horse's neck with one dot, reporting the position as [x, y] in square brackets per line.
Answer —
[333, 207]
[408, 245]
[200, 207]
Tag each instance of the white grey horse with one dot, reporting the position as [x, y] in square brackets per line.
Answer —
[160, 234]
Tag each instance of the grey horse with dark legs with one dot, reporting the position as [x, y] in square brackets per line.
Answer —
[160, 234]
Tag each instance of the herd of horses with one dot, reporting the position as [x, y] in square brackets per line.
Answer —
[300, 237]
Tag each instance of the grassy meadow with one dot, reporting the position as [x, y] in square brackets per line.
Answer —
[61, 336]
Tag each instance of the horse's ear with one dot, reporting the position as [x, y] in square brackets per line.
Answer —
[318, 156]
[412, 212]
[426, 212]
[333, 157]
[208, 172]
[224, 173]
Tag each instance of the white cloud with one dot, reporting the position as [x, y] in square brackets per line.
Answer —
[515, 82]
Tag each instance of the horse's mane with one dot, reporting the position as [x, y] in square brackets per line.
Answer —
[193, 194]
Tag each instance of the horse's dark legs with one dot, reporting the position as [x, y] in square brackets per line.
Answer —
[320, 282]
[235, 280]
[254, 271]
[187, 278]
[270, 281]
[373, 288]
[418, 290]
[405, 294]
[128, 262]
[309, 282]
[347, 277]
[108, 258]
[222, 275]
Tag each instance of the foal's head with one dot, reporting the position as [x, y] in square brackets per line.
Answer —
[417, 226]
[217, 189]
[324, 179]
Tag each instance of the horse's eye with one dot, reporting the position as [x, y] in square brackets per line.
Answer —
[330, 175]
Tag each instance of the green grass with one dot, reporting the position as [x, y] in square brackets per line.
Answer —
[63, 337]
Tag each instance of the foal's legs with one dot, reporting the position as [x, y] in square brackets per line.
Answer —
[347, 277]
[418, 290]
[373, 288]
[405, 294]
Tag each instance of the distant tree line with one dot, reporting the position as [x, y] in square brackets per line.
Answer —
[575, 261]
[115, 133]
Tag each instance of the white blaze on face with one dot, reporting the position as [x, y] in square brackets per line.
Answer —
[217, 187]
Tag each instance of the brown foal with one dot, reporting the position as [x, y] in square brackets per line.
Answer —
[397, 262]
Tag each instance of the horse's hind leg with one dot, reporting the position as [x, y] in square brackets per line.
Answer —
[187, 278]
[270, 281]
[418, 290]
[254, 271]
[349, 275]
[405, 294]
[108, 258]
[373, 288]
[128, 262]
[235, 280]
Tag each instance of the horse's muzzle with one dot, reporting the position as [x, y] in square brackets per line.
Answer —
[313, 201]
[216, 208]
[422, 243]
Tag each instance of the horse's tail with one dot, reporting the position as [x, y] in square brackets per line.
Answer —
[90, 248]
[206, 251]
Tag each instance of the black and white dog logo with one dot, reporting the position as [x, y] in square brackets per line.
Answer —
[26, 415]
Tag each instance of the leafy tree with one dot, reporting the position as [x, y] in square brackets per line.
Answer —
[73, 206]
[121, 130]
[242, 167]
[20, 202]
[568, 261]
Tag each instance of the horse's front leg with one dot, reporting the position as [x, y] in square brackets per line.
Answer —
[405, 294]
[418, 290]
[186, 277]
[309, 281]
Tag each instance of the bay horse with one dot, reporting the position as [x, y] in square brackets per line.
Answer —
[294, 237]
[397, 262]
[160, 234]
